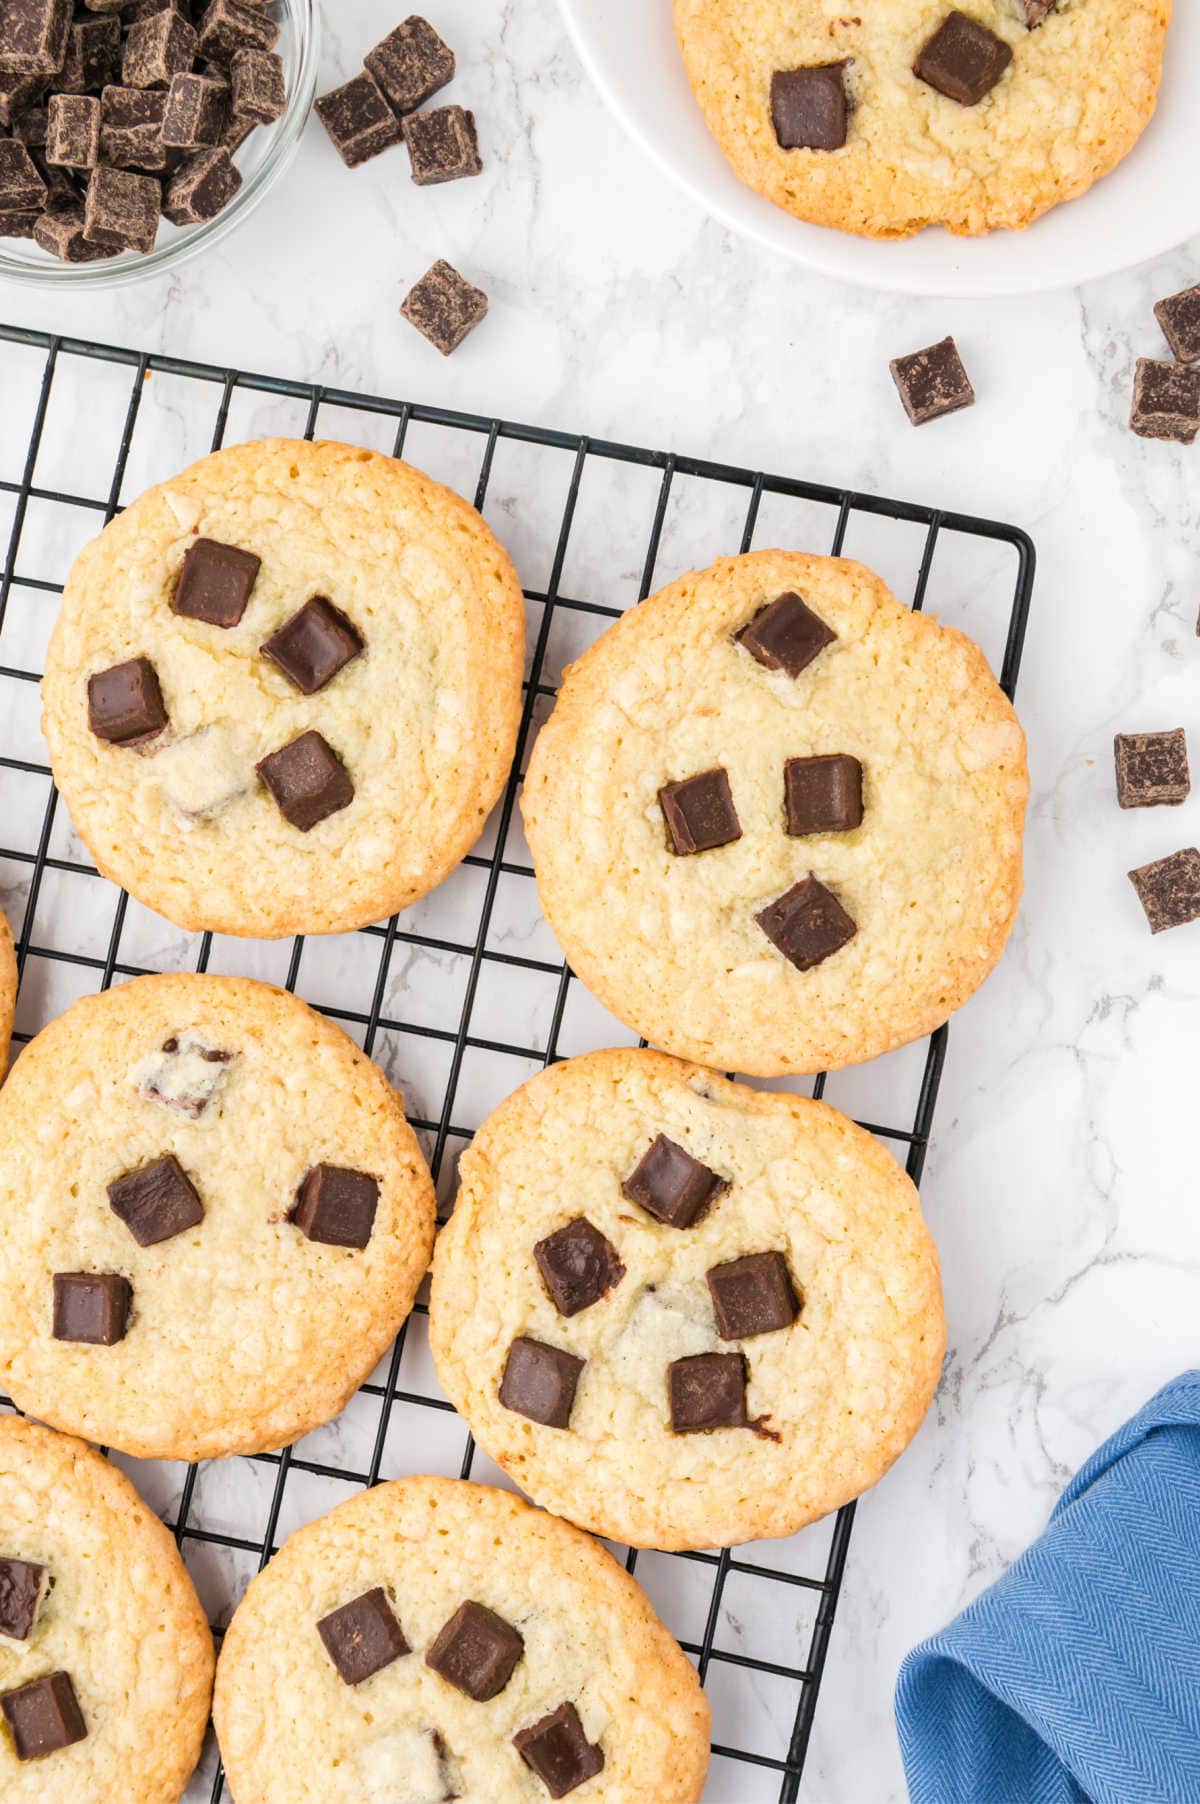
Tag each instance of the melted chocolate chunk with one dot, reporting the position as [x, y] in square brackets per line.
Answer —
[1032, 12]
[670, 1185]
[807, 924]
[699, 812]
[22, 1584]
[477, 1652]
[559, 1752]
[708, 1391]
[411, 64]
[125, 704]
[44, 1716]
[752, 1295]
[1152, 768]
[336, 1206]
[578, 1266]
[363, 1636]
[932, 382]
[823, 795]
[1179, 317]
[444, 306]
[308, 780]
[540, 1382]
[313, 645]
[810, 107]
[185, 1075]
[215, 582]
[359, 120]
[92, 1307]
[156, 1202]
[785, 635]
[963, 59]
[1169, 889]
[1166, 401]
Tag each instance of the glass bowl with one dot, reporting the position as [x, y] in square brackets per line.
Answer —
[262, 160]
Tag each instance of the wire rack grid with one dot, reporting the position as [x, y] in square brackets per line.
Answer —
[163, 410]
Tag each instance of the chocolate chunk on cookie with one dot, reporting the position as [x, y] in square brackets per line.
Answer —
[540, 1382]
[807, 924]
[215, 582]
[23, 1585]
[670, 1185]
[477, 1652]
[92, 1307]
[411, 64]
[125, 704]
[363, 1636]
[1152, 768]
[810, 107]
[785, 635]
[578, 1266]
[156, 1202]
[336, 1206]
[752, 1295]
[699, 813]
[963, 59]
[308, 780]
[444, 306]
[43, 1716]
[932, 382]
[708, 1391]
[1166, 401]
[1169, 889]
[823, 794]
[558, 1751]
[313, 645]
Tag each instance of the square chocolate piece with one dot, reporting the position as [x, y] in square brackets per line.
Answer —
[18, 93]
[92, 1307]
[823, 794]
[785, 635]
[227, 26]
[708, 1391]
[359, 120]
[1166, 401]
[73, 131]
[363, 1636]
[752, 1295]
[1152, 768]
[259, 89]
[196, 112]
[33, 36]
[932, 382]
[558, 1751]
[442, 145]
[22, 188]
[93, 54]
[1169, 890]
[157, 49]
[336, 1206]
[44, 1716]
[201, 187]
[540, 1382]
[963, 59]
[125, 704]
[670, 1185]
[699, 812]
[131, 122]
[578, 1266]
[308, 780]
[122, 209]
[1179, 317]
[807, 924]
[22, 1586]
[477, 1652]
[444, 306]
[810, 107]
[411, 64]
[30, 128]
[313, 645]
[60, 231]
[156, 1202]
[215, 582]
[19, 225]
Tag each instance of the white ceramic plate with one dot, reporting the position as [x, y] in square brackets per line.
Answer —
[1150, 204]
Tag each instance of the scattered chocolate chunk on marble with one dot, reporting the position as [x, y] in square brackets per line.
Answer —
[43, 1716]
[122, 209]
[184, 1074]
[335, 1206]
[196, 112]
[540, 1382]
[307, 779]
[73, 131]
[699, 813]
[442, 145]
[810, 107]
[672, 1186]
[477, 1652]
[157, 49]
[1179, 317]
[313, 645]
[1166, 401]
[156, 1202]
[359, 120]
[823, 794]
[444, 307]
[60, 231]
[707, 1391]
[557, 1750]
[258, 86]
[932, 382]
[91, 1307]
[201, 187]
[411, 64]
[785, 635]
[807, 924]
[579, 1266]
[963, 59]
[23, 1585]
[752, 1295]
[216, 582]
[1152, 768]
[1169, 889]
[33, 36]
[131, 121]
[363, 1636]
[125, 704]
[22, 186]
[227, 26]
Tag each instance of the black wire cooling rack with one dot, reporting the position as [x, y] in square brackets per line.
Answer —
[728, 507]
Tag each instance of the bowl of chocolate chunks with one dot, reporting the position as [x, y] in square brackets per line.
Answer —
[134, 132]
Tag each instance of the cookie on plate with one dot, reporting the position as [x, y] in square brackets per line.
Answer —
[106, 1661]
[283, 691]
[888, 118]
[8, 988]
[776, 817]
[432, 1639]
[213, 1218]
[682, 1312]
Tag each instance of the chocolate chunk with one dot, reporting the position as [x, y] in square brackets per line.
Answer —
[785, 635]
[307, 779]
[259, 90]
[44, 1716]
[540, 1382]
[313, 645]
[73, 135]
[131, 121]
[157, 49]
[93, 54]
[202, 187]
[22, 1585]
[708, 1391]
[411, 64]
[477, 1652]
[558, 1751]
[18, 93]
[444, 306]
[963, 59]
[91, 1307]
[752, 1295]
[578, 1266]
[1152, 768]
[235, 133]
[30, 128]
[33, 36]
[156, 1202]
[60, 231]
[215, 582]
[670, 1185]
[22, 188]
[807, 924]
[125, 704]
[442, 145]
[1169, 890]
[1166, 401]
[19, 225]
[186, 1075]
[227, 26]
[823, 795]
[1032, 12]
[336, 1206]
[810, 107]
[196, 112]
[65, 188]
[363, 1636]
[699, 812]
[1179, 317]
[932, 382]
[359, 120]
[122, 209]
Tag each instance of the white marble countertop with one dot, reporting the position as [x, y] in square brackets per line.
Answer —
[1061, 1183]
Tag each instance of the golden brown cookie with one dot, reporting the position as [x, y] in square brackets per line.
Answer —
[8, 989]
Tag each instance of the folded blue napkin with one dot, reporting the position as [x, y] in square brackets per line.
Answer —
[1076, 1678]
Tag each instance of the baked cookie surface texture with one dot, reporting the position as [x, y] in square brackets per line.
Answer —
[8, 989]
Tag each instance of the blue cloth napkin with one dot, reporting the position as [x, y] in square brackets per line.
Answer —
[1076, 1678]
